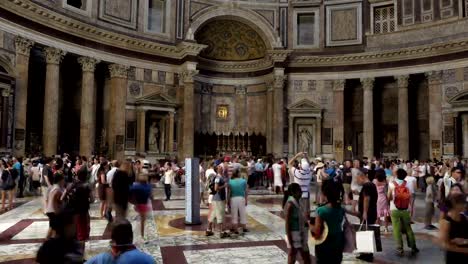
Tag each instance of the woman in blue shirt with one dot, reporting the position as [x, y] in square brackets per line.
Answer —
[238, 200]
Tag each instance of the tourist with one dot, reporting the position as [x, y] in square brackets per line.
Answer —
[259, 169]
[321, 177]
[238, 200]
[268, 174]
[355, 187]
[277, 175]
[367, 205]
[109, 189]
[80, 196]
[251, 171]
[123, 250]
[399, 196]
[140, 194]
[47, 180]
[347, 178]
[168, 179]
[20, 180]
[430, 198]
[93, 179]
[54, 204]
[411, 184]
[296, 225]
[453, 233]
[35, 178]
[63, 247]
[302, 176]
[120, 188]
[202, 182]
[219, 204]
[102, 186]
[454, 189]
[452, 177]
[331, 213]
[8, 178]
[424, 172]
[383, 210]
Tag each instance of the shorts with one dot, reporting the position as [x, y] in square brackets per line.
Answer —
[54, 221]
[142, 208]
[305, 206]
[347, 187]
[238, 210]
[218, 212]
[82, 223]
[297, 241]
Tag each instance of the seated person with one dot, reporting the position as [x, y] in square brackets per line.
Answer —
[122, 249]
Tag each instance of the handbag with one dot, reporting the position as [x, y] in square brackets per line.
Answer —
[365, 240]
[349, 235]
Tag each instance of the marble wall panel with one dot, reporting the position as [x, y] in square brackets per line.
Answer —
[344, 24]
[255, 107]
[120, 12]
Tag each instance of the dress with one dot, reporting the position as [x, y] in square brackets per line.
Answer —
[331, 250]
[383, 207]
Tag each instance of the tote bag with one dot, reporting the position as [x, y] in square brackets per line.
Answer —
[365, 240]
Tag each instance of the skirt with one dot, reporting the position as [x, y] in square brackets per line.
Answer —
[102, 191]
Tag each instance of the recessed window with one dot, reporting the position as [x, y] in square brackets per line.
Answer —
[384, 19]
[156, 16]
[82, 7]
[77, 4]
[305, 29]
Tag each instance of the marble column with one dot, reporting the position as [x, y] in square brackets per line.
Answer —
[162, 135]
[23, 48]
[403, 123]
[188, 113]
[88, 106]
[141, 130]
[118, 93]
[368, 117]
[269, 117]
[278, 107]
[318, 136]
[206, 118]
[51, 100]
[434, 79]
[240, 103]
[291, 137]
[170, 141]
[338, 126]
[465, 134]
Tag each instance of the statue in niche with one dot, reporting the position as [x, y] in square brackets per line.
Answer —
[153, 134]
[305, 140]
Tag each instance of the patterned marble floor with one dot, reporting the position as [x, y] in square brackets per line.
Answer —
[169, 240]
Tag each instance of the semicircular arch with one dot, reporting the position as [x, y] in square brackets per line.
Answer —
[250, 18]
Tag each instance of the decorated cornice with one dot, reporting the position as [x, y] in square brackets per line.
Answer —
[278, 55]
[88, 64]
[235, 67]
[54, 55]
[23, 46]
[424, 51]
[49, 18]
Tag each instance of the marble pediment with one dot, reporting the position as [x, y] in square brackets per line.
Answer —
[305, 106]
[461, 99]
[157, 100]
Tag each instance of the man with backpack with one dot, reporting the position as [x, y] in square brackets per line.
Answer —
[399, 196]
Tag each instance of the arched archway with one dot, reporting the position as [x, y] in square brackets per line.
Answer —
[257, 22]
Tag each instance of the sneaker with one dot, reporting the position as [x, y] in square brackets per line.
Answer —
[367, 257]
[209, 233]
[245, 230]
[224, 235]
[414, 251]
[400, 252]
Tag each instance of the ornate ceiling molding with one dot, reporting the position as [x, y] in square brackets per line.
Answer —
[49, 18]
[425, 51]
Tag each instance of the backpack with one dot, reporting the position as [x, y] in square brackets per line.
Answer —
[211, 186]
[402, 196]
[7, 180]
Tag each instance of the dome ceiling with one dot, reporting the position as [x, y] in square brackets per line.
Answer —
[230, 40]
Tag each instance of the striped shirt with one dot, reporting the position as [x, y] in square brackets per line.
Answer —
[303, 178]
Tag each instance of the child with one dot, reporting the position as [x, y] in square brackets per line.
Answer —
[140, 194]
[431, 195]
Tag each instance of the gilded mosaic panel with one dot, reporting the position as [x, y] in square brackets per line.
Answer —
[230, 40]
[344, 24]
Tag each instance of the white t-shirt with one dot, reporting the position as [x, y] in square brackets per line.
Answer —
[391, 187]
[209, 172]
[169, 176]
[410, 182]
[110, 176]
[303, 178]
[422, 170]
[94, 171]
[277, 174]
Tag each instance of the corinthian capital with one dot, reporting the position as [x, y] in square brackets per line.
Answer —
[54, 55]
[189, 75]
[279, 80]
[434, 76]
[118, 71]
[23, 45]
[88, 64]
[241, 90]
[402, 81]
[338, 85]
[367, 83]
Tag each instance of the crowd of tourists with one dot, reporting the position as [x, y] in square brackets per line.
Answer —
[379, 192]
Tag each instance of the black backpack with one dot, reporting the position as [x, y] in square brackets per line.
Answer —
[212, 185]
